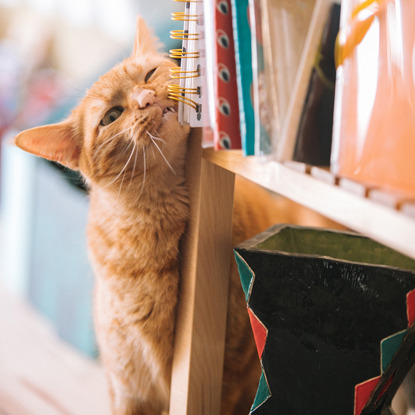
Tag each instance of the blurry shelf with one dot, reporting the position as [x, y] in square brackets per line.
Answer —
[353, 209]
[40, 374]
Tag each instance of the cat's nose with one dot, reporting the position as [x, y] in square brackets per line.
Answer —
[143, 97]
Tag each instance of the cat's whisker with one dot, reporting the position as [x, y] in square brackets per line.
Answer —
[111, 138]
[124, 151]
[144, 171]
[152, 153]
[134, 166]
[159, 139]
[122, 181]
[123, 169]
[162, 155]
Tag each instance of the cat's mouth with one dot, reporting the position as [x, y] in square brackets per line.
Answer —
[167, 110]
[160, 116]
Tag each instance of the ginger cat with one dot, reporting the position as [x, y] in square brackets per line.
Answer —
[125, 140]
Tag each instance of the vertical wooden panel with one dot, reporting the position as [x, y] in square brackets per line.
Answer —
[201, 320]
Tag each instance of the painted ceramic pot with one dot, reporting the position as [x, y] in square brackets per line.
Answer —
[320, 302]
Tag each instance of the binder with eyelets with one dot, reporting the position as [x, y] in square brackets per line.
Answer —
[186, 87]
[226, 130]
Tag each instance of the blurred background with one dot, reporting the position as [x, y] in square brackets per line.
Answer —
[51, 51]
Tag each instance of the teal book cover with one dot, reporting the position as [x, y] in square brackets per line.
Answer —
[250, 77]
[243, 51]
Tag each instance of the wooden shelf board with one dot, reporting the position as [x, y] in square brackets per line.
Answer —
[380, 222]
[201, 315]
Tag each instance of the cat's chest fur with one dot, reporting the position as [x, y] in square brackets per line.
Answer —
[127, 240]
[134, 250]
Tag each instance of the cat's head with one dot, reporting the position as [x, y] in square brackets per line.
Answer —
[125, 126]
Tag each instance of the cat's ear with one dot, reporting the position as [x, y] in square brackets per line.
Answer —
[145, 43]
[56, 142]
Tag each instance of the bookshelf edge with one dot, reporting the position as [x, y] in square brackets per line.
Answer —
[382, 223]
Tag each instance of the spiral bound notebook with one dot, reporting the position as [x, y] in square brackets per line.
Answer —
[189, 90]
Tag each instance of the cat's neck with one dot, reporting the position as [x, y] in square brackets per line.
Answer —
[160, 199]
[144, 230]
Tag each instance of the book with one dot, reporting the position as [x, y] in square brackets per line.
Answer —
[310, 52]
[373, 131]
[275, 47]
[249, 68]
[292, 32]
[189, 92]
[225, 96]
[242, 39]
[262, 117]
[285, 27]
[314, 136]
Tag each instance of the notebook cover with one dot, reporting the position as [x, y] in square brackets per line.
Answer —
[243, 54]
[227, 132]
[313, 143]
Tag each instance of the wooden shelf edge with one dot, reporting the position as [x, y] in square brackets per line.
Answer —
[382, 223]
[201, 316]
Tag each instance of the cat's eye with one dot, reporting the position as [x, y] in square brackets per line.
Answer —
[112, 115]
[149, 75]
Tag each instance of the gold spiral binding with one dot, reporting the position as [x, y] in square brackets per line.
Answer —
[183, 17]
[177, 92]
[177, 89]
[183, 35]
[179, 54]
[185, 100]
[177, 73]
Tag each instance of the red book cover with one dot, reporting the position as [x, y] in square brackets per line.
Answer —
[226, 132]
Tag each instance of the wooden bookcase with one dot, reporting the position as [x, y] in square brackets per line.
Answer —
[200, 335]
